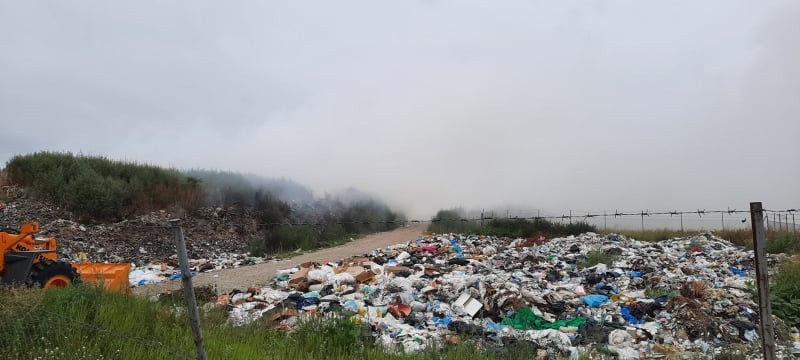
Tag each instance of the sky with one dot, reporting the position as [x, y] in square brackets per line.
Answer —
[551, 105]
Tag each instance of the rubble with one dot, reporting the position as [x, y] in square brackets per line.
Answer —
[681, 297]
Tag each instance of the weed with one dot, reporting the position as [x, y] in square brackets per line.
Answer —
[694, 243]
[597, 257]
[653, 293]
[788, 243]
[733, 353]
[784, 290]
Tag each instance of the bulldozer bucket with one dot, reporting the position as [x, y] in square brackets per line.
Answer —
[113, 277]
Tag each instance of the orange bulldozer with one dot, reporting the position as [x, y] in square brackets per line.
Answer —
[27, 260]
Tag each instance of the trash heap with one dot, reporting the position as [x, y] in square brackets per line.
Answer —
[170, 270]
[681, 297]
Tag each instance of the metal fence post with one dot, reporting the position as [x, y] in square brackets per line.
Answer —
[762, 282]
[642, 221]
[188, 290]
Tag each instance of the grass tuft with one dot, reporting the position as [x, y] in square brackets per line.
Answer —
[785, 293]
[597, 257]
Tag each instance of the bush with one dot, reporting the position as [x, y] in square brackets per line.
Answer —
[452, 221]
[785, 293]
[526, 228]
[97, 188]
[368, 217]
[788, 243]
[331, 230]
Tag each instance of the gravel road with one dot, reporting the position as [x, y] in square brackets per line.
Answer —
[261, 274]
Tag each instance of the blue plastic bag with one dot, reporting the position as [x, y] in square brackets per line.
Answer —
[737, 271]
[594, 300]
[351, 305]
[494, 326]
[628, 316]
[599, 286]
[178, 275]
[442, 321]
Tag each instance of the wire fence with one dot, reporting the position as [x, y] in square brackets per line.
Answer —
[774, 219]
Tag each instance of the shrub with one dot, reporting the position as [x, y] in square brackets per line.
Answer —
[784, 291]
[596, 257]
[97, 188]
[788, 243]
[451, 220]
[368, 217]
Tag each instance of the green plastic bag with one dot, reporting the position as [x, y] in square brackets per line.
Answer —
[525, 319]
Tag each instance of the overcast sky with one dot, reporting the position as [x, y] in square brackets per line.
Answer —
[530, 104]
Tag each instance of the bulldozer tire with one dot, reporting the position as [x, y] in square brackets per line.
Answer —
[48, 273]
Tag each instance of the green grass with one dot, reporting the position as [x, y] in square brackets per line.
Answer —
[785, 293]
[81, 322]
[788, 243]
[596, 257]
[653, 293]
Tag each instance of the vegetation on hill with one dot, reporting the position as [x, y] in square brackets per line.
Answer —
[226, 188]
[281, 231]
[279, 205]
[100, 189]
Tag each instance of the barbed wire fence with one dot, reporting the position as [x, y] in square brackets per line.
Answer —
[775, 220]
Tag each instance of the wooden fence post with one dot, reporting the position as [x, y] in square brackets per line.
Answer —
[762, 282]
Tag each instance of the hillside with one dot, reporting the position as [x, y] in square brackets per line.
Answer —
[119, 211]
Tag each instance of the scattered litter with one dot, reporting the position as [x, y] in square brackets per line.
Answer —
[154, 273]
[684, 297]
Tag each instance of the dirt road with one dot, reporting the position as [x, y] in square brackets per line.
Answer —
[261, 274]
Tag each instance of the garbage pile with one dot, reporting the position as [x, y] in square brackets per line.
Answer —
[141, 240]
[170, 270]
[682, 297]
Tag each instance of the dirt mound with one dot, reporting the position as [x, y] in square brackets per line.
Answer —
[209, 232]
